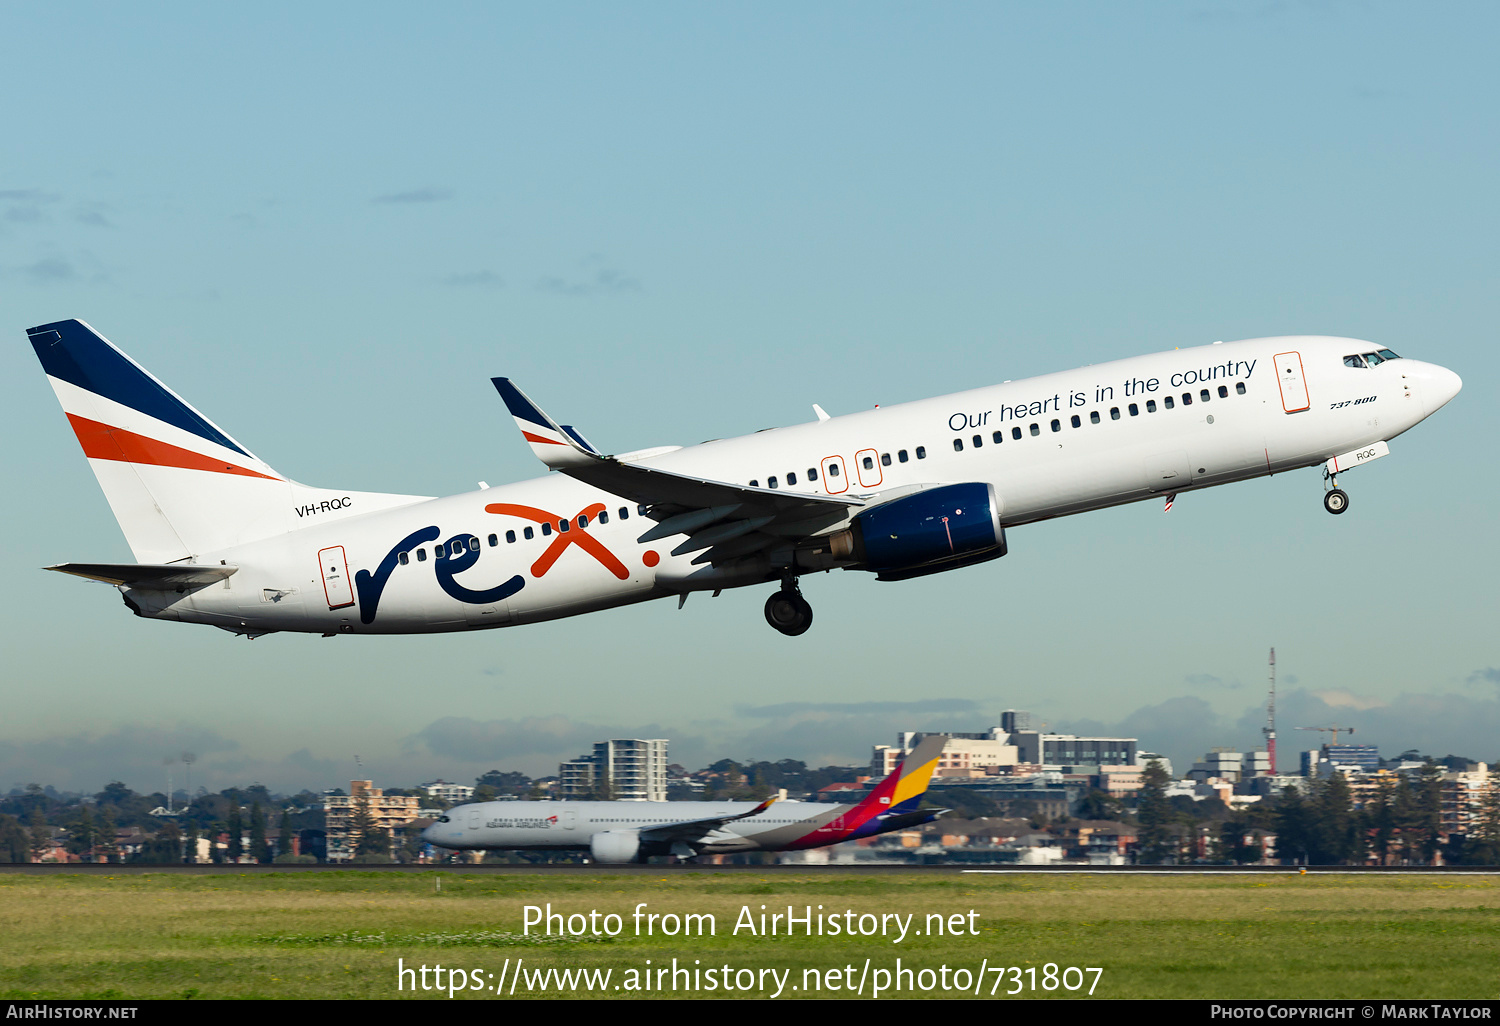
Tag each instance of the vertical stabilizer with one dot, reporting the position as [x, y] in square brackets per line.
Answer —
[178, 484]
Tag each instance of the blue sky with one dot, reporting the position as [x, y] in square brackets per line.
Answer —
[327, 227]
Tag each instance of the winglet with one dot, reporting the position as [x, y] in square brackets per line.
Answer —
[762, 807]
[555, 445]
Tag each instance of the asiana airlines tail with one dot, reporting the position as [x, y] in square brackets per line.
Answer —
[221, 538]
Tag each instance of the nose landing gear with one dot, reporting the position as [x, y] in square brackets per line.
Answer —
[1335, 499]
[788, 611]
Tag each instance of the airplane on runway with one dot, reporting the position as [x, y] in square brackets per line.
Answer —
[900, 491]
[616, 832]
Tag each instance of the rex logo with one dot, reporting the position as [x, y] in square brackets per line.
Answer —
[461, 551]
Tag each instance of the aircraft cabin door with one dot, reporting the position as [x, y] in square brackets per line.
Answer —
[335, 572]
[473, 819]
[1293, 382]
[834, 479]
[570, 820]
[867, 463]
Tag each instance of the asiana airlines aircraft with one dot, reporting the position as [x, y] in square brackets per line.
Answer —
[633, 831]
[902, 491]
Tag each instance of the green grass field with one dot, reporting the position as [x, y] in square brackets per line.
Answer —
[340, 935]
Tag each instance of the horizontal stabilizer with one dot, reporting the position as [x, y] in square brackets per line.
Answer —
[160, 576]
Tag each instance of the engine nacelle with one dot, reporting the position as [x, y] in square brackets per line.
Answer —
[930, 531]
[615, 846]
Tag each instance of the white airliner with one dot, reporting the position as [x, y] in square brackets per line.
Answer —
[899, 491]
[633, 831]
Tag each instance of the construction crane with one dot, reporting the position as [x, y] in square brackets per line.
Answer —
[1270, 728]
[1334, 730]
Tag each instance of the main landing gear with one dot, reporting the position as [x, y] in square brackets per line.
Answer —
[788, 611]
[1335, 499]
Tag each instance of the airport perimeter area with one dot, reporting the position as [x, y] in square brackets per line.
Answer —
[663, 932]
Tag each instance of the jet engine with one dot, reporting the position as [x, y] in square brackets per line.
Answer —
[615, 846]
[929, 531]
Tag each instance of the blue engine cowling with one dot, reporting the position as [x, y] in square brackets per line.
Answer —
[930, 531]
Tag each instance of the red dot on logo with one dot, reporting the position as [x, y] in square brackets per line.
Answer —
[651, 558]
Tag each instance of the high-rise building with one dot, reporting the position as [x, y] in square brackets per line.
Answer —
[625, 769]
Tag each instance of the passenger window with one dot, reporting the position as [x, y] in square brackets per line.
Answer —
[583, 521]
[1239, 388]
[1135, 411]
[1114, 413]
[624, 513]
[1166, 402]
[1036, 429]
[1187, 398]
[494, 540]
[1056, 424]
[403, 558]
[474, 543]
[1075, 421]
[1150, 405]
[901, 455]
[921, 452]
[978, 441]
[529, 533]
[1094, 417]
[771, 481]
[1203, 395]
[510, 537]
[791, 477]
[833, 470]
[421, 555]
[958, 445]
[1015, 433]
[1223, 391]
[458, 546]
[869, 462]
[997, 437]
[563, 526]
[604, 516]
[641, 509]
[755, 482]
[812, 473]
[547, 529]
[885, 459]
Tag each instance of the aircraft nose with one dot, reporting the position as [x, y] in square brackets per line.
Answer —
[1443, 385]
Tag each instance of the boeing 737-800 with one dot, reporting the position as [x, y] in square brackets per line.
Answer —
[632, 831]
[900, 491]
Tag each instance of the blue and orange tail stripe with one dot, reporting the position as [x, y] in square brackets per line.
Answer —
[71, 351]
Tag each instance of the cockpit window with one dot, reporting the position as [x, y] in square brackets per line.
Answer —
[1373, 359]
[1389, 355]
[1354, 361]
[442, 819]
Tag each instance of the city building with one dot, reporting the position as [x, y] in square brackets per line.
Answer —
[390, 813]
[625, 770]
[453, 794]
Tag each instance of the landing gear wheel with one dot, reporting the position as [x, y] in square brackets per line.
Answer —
[1336, 501]
[789, 612]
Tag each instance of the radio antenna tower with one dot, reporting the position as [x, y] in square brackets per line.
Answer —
[1270, 728]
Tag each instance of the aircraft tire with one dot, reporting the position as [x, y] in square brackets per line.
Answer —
[789, 613]
[1336, 501]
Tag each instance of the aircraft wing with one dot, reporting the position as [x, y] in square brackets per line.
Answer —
[695, 829]
[727, 520]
